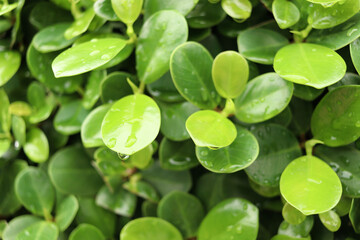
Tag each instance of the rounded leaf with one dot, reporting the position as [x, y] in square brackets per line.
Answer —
[86, 231]
[230, 73]
[9, 64]
[234, 218]
[66, 211]
[264, 97]
[336, 119]
[331, 220]
[235, 157]
[310, 185]
[127, 10]
[36, 147]
[149, 228]
[18, 224]
[39, 231]
[292, 215]
[115, 86]
[237, 9]
[131, 124]
[208, 128]
[285, 13]
[299, 63]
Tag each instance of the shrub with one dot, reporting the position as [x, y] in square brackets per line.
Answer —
[170, 120]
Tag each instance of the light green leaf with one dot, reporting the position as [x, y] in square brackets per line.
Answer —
[18, 126]
[80, 25]
[285, 13]
[9, 64]
[127, 10]
[292, 215]
[86, 231]
[331, 220]
[237, 9]
[36, 147]
[8, 8]
[18, 224]
[103, 9]
[92, 89]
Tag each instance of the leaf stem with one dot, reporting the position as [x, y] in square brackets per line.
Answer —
[47, 216]
[75, 11]
[309, 145]
[141, 88]
[130, 32]
[229, 108]
[299, 36]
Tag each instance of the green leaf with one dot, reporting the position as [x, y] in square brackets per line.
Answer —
[173, 118]
[9, 64]
[205, 15]
[339, 36]
[264, 97]
[39, 231]
[149, 228]
[52, 38]
[143, 190]
[66, 211]
[182, 210]
[39, 65]
[115, 86]
[18, 126]
[86, 56]
[18, 224]
[127, 10]
[230, 73]
[354, 214]
[86, 231]
[131, 124]
[260, 45]
[321, 17]
[92, 214]
[108, 162]
[103, 9]
[310, 185]
[34, 190]
[5, 117]
[190, 67]
[153, 6]
[149, 209]
[177, 156]
[73, 163]
[9, 203]
[285, 13]
[262, 190]
[166, 181]
[80, 25]
[118, 201]
[159, 36]
[335, 120]
[298, 63]
[297, 231]
[233, 218]
[344, 161]
[45, 14]
[235, 157]
[91, 127]
[355, 53]
[237, 9]
[92, 90]
[306, 93]
[208, 128]
[274, 156]
[292, 215]
[348, 79]
[142, 158]
[36, 147]
[8, 8]
[20, 108]
[331, 220]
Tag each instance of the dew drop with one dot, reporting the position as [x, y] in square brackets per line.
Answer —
[123, 156]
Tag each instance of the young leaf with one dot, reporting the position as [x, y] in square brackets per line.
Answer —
[292, 215]
[299, 63]
[36, 147]
[131, 124]
[149, 228]
[159, 36]
[35, 192]
[80, 25]
[285, 13]
[335, 120]
[237, 9]
[127, 10]
[239, 220]
[190, 67]
[9, 64]
[208, 128]
[230, 73]
[310, 185]
[331, 220]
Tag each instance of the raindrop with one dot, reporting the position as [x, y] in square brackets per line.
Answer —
[123, 156]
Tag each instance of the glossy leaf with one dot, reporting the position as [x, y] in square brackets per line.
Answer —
[177, 155]
[335, 120]
[274, 156]
[127, 10]
[69, 118]
[298, 63]
[80, 25]
[143, 190]
[142, 158]
[230, 72]
[205, 14]
[153, 6]
[239, 220]
[9, 64]
[86, 231]
[190, 67]
[260, 45]
[208, 128]
[321, 187]
[36, 147]
[66, 211]
[39, 231]
[306, 93]
[118, 201]
[355, 53]
[285, 13]
[52, 38]
[18, 224]
[159, 36]
[331, 220]
[73, 163]
[343, 160]
[134, 127]
[237, 9]
[264, 97]
[34, 190]
[182, 210]
[103, 8]
[91, 127]
[235, 157]
[86, 56]
[18, 126]
[149, 228]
